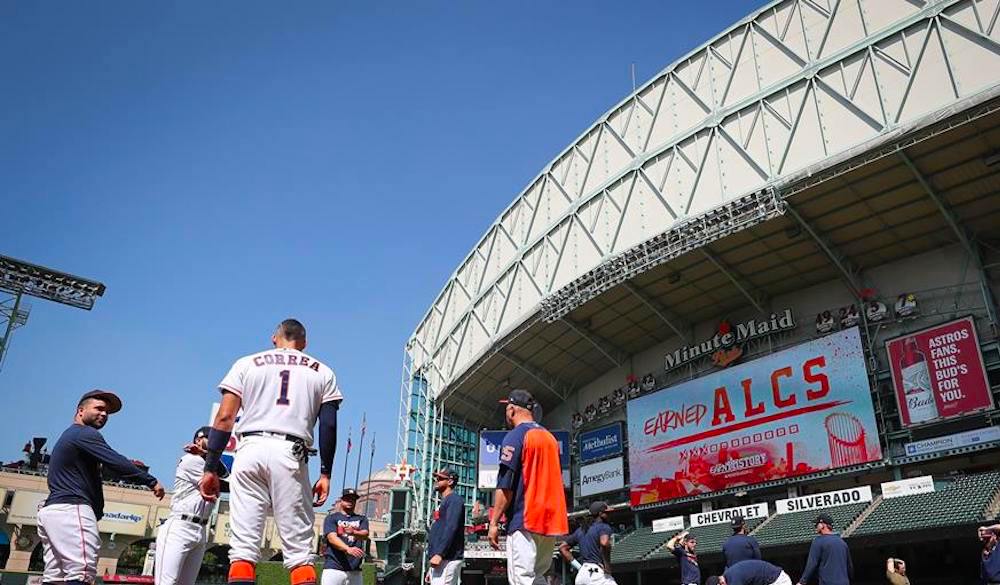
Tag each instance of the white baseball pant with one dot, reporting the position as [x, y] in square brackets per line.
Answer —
[592, 574]
[447, 573]
[267, 475]
[783, 579]
[70, 541]
[180, 548]
[529, 557]
[335, 577]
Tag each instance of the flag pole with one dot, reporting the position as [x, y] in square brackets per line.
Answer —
[347, 457]
[368, 489]
[361, 447]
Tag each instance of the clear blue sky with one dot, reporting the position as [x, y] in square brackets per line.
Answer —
[224, 165]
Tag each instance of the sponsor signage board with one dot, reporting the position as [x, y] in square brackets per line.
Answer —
[222, 529]
[938, 373]
[727, 514]
[798, 411]
[955, 441]
[600, 443]
[825, 500]
[723, 347]
[161, 516]
[668, 524]
[25, 506]
[907, 487]
[124, 519]
[489, 457]
[603, 476]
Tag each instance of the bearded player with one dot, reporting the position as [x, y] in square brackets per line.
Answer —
[183, 536]
[282, 392]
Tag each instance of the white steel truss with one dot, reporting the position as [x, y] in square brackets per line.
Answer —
[795, 84]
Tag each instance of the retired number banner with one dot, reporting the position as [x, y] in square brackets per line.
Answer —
[802, 410]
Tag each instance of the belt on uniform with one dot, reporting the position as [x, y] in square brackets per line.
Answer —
[291, 438]
[194, 519]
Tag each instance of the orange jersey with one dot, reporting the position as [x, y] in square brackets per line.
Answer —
[529, 467]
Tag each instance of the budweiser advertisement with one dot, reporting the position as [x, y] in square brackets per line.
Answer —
[799, 411]
[938, 373]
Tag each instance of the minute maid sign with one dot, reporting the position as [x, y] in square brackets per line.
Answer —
[726, 345]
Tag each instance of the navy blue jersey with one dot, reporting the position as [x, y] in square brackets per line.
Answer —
[752, 572]
[740, 547]
[74, 475]
[990, 568]
[447, 536]
[590, 545]
[830, 558]
[335, 523]
[690, 572]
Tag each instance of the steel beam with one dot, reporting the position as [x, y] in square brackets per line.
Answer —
[548, 381]
[606, 348]
[731, 275]
[849, 278]
[681, 327]
[970, 247]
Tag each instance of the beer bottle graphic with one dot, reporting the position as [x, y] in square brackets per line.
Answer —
[917, 391]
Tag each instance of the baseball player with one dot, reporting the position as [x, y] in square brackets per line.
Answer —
[989, 564]
[683, 547]
[829, 556]
[282, 392]
[529, 485]
[751, 572]
[67, 524]
[446, 543]
[344, 532]
[740, 546]
[595, 549]
[183, 536]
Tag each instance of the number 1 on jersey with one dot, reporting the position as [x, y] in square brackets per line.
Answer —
[283, 399]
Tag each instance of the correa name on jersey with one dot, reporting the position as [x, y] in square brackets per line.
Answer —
[270, 359]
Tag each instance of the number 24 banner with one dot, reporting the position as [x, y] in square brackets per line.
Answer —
[798, 411]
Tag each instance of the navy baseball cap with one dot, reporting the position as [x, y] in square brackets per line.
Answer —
[349, 493]
[110, 398]
[521, 398]
[738, 521]
[599, 507]
[446, 473]
[824, 518]
[201, 433]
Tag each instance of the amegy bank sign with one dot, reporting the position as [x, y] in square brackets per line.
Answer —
[725, 346]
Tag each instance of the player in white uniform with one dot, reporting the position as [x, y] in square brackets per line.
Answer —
[183, 536]
[283, 392]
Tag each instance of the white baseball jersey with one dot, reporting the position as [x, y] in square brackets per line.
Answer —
[282, 391]
[186, 499]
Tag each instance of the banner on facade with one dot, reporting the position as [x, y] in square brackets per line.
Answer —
[600, 443]
[727, 514]
[25, 506]
[938, 373]
[489, 457]
[954, 441]
[825, 500]
[798, 411]
[908, 487]
[124, 519]
[671, 524]
[603, 476]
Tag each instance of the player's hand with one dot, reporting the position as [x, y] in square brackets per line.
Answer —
[158, 491]
[194, 449]
[321, 490]
[436, 561]
[355, 552]
[209, 486]
[494, 536]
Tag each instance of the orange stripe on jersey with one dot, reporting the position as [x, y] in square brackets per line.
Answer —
[544, 497]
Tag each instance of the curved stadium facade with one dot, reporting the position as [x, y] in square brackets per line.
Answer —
[815, 156]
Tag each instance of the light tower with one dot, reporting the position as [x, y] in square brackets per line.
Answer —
[19, 278]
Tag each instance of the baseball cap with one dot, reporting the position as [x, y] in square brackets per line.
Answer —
[598, 507]
[446, 473]
[738, 521]
[202, 432]
[824, 518]
[110, 398]
[521, 398]
[349, 493]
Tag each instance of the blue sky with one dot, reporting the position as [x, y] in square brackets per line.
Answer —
[224, 165]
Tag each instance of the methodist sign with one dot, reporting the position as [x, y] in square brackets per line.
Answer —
[938, 373]
[825, 500]
[799, 411]
[489, 457]
[727, 514]
[600, 443]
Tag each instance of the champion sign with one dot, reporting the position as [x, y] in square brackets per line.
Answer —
[600, 443]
